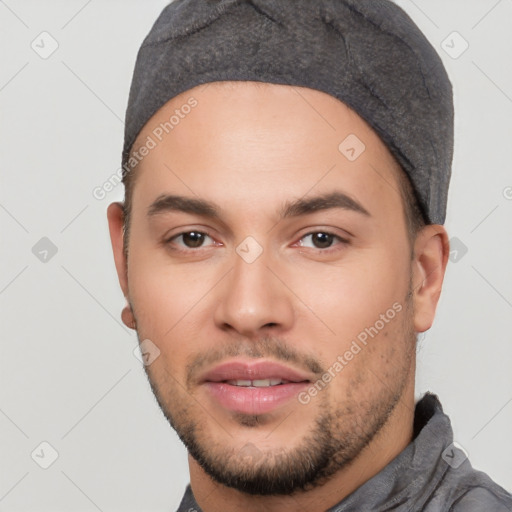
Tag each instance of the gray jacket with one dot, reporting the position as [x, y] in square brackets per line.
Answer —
[430, 475]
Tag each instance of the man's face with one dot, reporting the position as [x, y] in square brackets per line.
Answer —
[250, 294]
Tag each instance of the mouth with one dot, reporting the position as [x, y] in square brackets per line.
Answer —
[257, 383]
[246, 373]
[250, 387]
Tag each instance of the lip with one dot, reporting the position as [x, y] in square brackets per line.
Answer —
[245, 370]
[249, 399]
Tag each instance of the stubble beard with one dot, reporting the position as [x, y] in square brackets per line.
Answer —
[339, 433]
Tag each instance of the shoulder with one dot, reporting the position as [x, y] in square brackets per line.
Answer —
[478, 492]
[480, 499]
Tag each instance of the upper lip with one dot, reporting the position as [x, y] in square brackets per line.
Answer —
[259, 370]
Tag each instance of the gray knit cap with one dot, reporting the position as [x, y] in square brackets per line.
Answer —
[367, 53]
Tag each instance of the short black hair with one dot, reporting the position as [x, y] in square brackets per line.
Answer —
[415, 218]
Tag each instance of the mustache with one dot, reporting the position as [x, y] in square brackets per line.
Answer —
[267, 346]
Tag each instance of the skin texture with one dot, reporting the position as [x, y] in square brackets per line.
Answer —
[302, 302]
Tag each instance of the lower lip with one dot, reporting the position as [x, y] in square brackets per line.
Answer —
[253, 400]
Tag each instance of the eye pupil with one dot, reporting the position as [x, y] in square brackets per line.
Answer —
[195, 237]
[322, 239]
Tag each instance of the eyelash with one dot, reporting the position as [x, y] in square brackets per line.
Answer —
[169, 241]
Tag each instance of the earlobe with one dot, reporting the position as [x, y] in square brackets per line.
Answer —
[431, 252]
[115, 218]
[128, 318]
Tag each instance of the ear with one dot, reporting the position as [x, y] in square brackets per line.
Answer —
[115, 225]
[431, 251]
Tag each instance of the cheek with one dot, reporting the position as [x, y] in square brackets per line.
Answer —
[362, 303]
[166, 296]
[351, 294]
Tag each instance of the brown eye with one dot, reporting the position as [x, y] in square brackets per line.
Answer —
[189, 240]
[193, 238]
[321, 240]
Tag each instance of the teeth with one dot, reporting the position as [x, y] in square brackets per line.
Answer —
[260, 383]
[244, 383]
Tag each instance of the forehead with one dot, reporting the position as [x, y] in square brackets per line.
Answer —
[253, 141]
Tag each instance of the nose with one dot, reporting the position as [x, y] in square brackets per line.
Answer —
[253, 297]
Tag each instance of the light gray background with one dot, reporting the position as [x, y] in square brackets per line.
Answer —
[68, 373]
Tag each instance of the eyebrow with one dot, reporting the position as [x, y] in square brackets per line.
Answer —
[295, 208]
